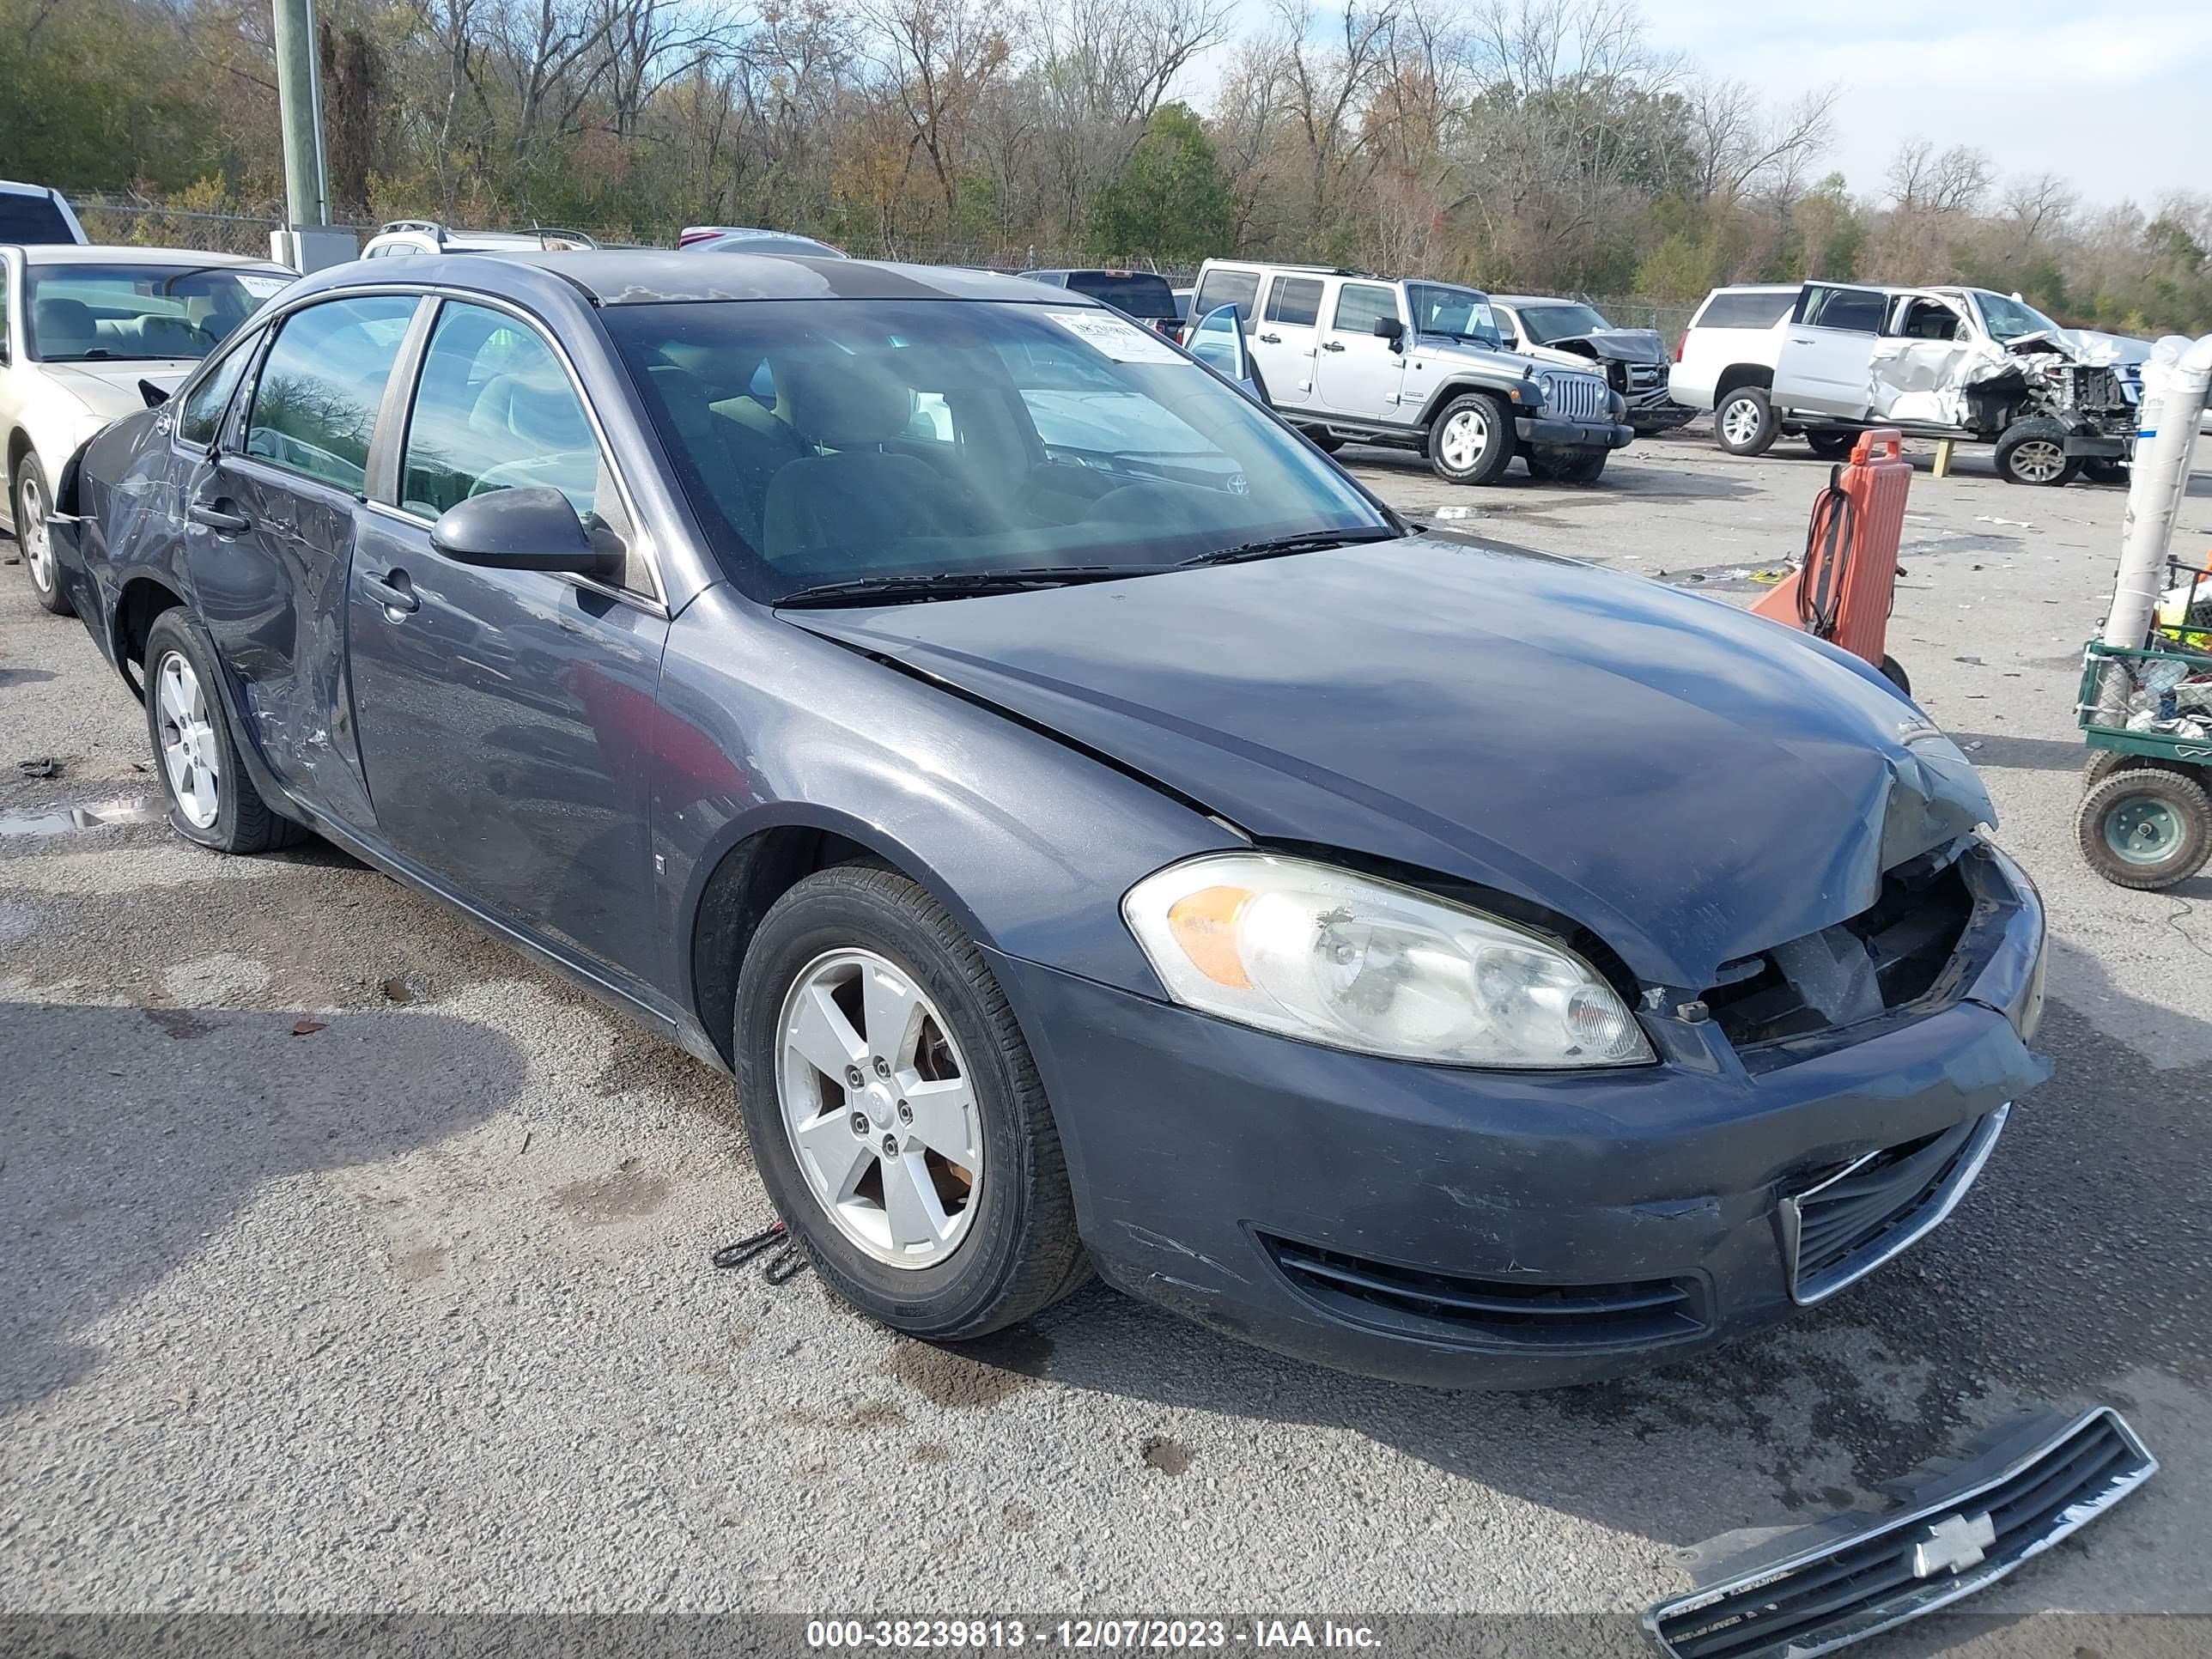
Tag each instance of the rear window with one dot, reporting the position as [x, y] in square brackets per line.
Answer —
[1295, 301]
[1139, 293]
[1227, 288]
[1736, 308]
[1851, 309]
[32, 219]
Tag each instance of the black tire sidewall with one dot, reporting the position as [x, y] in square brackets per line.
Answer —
[869, 908]
[1495, 458]
[2185, 795]
[2024, 432]
[172, 634]
[1830, 446]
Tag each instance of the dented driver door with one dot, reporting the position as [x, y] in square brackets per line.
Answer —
[1927, 353]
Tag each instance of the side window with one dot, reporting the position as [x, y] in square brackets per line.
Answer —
[1737, 309]
[201, 414]
[494, 410]
[7, 305]
[1295, 301]
[1240, 289]
[1918, 318]
[1853, 310]
[314, 405]
[1360, 305]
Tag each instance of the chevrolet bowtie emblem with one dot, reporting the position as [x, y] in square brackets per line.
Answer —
[1953, 1545]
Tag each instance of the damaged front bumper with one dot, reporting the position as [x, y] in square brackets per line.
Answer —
[1463, 1228]
[1958, 1526]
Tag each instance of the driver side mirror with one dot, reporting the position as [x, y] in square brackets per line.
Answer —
[531, 528]
[1392, 330]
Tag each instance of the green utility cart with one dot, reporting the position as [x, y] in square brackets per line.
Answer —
[2146, 818]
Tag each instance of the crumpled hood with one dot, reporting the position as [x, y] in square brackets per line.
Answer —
[111, 390]
[1690, 782]
[1616, 345]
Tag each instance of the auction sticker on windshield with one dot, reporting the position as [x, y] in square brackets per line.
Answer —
[1122, 340]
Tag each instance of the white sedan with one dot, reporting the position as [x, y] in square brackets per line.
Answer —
[83, 330]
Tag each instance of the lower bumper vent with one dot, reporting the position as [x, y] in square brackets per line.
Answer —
[1446, 1307]
[1961, 1524]
[1855, 1219]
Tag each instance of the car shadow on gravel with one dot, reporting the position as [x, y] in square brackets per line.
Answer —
[2077, 1258]
[135, 1138]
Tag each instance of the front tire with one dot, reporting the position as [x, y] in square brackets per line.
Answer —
[1472, 440]
[948, 1216]
[2145, 827]
[33, 500]
[1575, 469]
[212, 801]
[1744, 421]
[2032, 452]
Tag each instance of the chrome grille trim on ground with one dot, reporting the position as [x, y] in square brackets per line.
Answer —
[1837, 1231]
[1959, 1524]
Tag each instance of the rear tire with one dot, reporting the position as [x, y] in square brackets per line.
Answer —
[1472, 440]
[1744, 421]
[1583, 469]
[996, 1250]
[211, 799]
[1894, 672]
[1830, 445]
[2145, 827]
[32, 501]
[2032, 453]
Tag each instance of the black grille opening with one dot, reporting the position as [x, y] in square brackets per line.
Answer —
[1853, 1583]
[1888, 957]
[1513, 1312]
[1848, 1222]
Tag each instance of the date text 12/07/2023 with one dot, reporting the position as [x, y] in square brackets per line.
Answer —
[1119, 1635]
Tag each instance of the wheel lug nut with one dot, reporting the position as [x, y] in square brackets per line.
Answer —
[853, 1077]
[861, 1124]
[905, 1112]
[882, 1067]
[890, 1145]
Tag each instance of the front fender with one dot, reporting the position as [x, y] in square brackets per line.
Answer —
[1029, 841]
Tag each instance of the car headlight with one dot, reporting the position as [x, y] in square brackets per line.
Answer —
[1323, 954]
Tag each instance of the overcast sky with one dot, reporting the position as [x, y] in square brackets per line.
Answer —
[2120, 104]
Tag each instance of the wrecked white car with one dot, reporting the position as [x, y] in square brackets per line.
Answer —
[1962, 363]
[1574, 335]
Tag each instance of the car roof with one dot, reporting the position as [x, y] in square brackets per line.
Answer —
[15, 187]
[1536, 299]
[656, 275]
[95, 253]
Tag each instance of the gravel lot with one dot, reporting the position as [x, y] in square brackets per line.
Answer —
[414, 1311]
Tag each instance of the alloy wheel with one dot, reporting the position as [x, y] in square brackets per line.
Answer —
[189, 752]
[31, 534]
[1466, 436]
[2038, 460]
[1740, 421]
[878, 1105]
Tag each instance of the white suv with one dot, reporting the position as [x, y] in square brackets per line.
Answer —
[1349, 357]
[409, 236]
[1828, 360]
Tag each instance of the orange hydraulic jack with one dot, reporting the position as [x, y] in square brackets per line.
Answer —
[1843, 590]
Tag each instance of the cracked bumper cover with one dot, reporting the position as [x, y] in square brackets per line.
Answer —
[1190, 1137]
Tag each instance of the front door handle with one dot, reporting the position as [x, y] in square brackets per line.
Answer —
[1271, 339]
[1799, 339]
[218, 519]
[1332, 345]
[393, 593]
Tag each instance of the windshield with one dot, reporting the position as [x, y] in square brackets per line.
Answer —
[2008, 319]
[1545, 324]
[122, 314]
[1460, 312]
[824, 442]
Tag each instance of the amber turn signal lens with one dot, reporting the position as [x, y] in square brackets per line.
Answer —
[1204, 924]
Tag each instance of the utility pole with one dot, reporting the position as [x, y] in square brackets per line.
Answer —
[300, 104]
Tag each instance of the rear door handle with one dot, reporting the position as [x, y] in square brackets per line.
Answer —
[1799, 339]
[393, 593]
[1271, 339]
[1332, 345]
[218, 519]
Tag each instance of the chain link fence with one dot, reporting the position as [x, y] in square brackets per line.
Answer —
[153, 224]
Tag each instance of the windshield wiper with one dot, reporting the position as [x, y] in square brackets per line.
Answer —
[961, 584]
[1311, 542]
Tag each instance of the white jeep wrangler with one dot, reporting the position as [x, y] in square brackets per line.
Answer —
[1416, 365]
